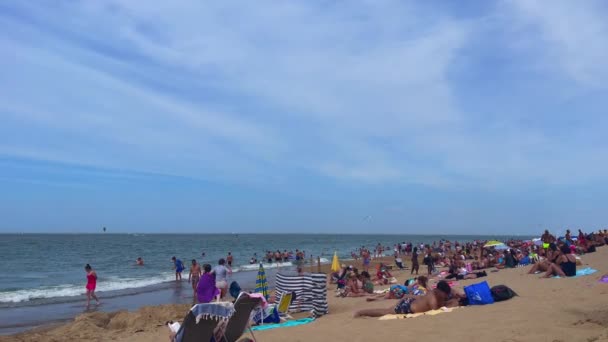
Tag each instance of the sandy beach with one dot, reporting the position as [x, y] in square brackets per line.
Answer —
[565, 310]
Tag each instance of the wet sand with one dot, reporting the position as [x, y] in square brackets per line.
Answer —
[574, 309]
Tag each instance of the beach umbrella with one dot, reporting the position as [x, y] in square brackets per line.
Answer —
[500, 247]
[335, 264]
[261, 283]
[492, 244]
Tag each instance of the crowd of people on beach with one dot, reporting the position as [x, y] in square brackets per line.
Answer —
[554, 256]
[469, 260]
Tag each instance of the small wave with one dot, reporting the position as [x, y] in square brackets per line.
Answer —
[255, 267]
[71, 290]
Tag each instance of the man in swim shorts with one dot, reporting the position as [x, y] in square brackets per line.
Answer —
[435, 299]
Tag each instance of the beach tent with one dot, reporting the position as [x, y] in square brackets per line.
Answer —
[310, 291]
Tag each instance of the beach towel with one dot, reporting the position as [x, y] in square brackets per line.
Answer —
[604, 279]
[206, 290]
[428, 313]
[292, 323]
[220, 311]
[582, 272]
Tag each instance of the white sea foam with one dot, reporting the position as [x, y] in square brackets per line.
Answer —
[70, 290]
[111, 284]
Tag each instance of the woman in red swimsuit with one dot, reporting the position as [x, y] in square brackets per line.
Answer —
[91, 284]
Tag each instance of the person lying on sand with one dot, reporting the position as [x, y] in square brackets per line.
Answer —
[431, 301]
[420, 288]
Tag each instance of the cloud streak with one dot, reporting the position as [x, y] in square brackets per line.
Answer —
[373, 92]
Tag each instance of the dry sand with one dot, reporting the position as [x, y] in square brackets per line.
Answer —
[546, 310]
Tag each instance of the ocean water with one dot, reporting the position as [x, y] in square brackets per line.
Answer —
[39, 269]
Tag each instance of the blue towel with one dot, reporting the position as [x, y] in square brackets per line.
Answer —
[582, 272]
[292, 323]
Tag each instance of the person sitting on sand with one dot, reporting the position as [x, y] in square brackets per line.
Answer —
[544, 265]
[399, 262]
[383, 276]
[368, 284]
[564, 266]
[355, 285]
[431, 301]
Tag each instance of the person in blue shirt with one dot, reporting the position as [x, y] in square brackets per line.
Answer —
[178, 265]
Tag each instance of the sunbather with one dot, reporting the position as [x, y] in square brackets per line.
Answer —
[564, 266]
[432, 301]
[419, 288]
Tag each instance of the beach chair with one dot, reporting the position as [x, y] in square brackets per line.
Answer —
[284, 303]
[241, 320]
[190, 331]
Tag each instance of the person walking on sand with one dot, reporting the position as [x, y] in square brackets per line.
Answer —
[91, 285]
[195, 275]
[178, 265]
[415, 264]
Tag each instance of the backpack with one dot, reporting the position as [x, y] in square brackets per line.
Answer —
[502, 292]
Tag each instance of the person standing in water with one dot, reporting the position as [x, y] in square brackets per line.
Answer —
[178, 265]
[221, 274]
[91, 285]
[194, 276]
[229, 259]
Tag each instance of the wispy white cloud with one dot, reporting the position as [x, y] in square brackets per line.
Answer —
[367, 91]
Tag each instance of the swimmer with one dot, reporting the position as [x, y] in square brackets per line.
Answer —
[139, 261]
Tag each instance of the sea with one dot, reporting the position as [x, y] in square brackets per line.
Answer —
[42, 276]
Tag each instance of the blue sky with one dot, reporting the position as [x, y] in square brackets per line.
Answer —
[309, 116]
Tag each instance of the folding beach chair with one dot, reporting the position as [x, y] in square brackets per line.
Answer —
[191, 331]
[241, 320]
[283, 307]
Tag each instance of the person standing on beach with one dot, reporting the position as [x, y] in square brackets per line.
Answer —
[365, 255]
[91, 284]
[178, 265]
[221, 274]
[194, 276]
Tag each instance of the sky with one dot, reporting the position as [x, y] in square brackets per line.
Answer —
[408, 117]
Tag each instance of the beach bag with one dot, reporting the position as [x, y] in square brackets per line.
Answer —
[479, 294]
[235, 289]
[502, 292]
